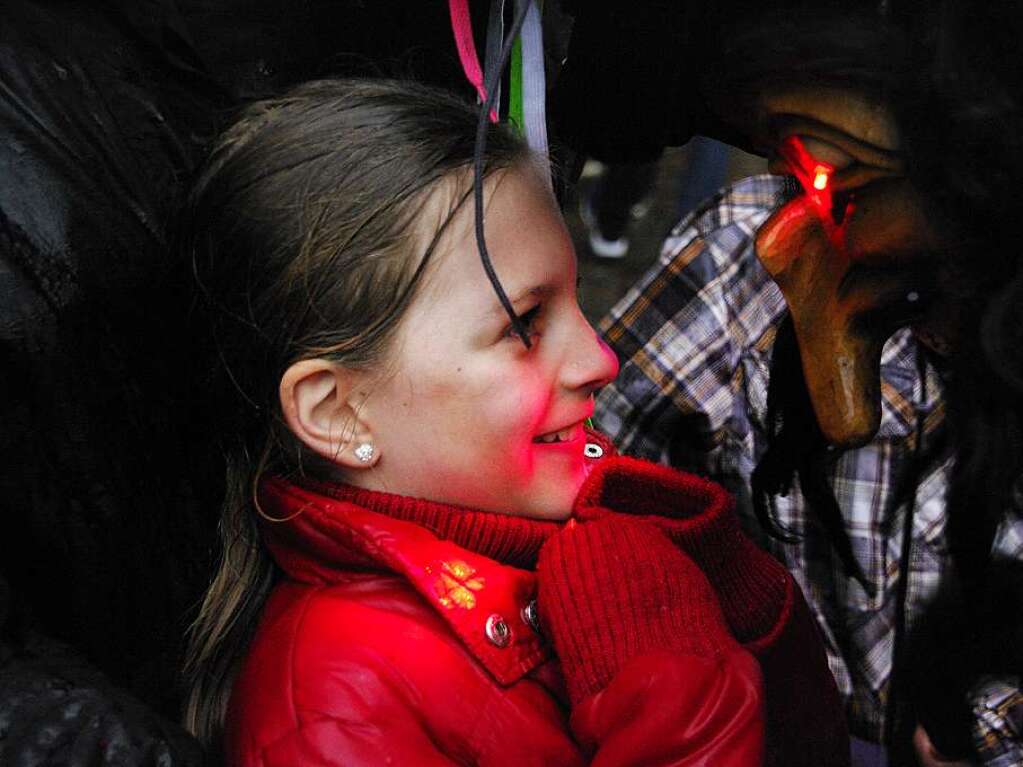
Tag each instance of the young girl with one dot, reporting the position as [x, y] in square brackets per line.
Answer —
[398, 582]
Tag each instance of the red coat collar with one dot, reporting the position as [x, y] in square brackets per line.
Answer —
[332, 530]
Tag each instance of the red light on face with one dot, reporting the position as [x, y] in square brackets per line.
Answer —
[814, 176]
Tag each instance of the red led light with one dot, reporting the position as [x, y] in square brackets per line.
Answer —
[813, 175]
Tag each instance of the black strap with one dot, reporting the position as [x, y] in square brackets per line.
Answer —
[492, 80]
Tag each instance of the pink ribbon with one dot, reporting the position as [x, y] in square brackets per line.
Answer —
[461, 25]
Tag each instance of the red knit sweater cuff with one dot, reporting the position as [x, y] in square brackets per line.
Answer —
[615, 589]
[698, 515]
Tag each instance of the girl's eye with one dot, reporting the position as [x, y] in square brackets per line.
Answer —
[528, 320]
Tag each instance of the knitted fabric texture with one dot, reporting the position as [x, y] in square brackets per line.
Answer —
[617, 588]
[512, 540]
[697, 515]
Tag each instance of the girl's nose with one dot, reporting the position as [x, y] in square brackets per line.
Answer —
[590, 364]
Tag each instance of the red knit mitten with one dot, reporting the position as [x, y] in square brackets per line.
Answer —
[697, 515]
[759, 598]
[617, 588]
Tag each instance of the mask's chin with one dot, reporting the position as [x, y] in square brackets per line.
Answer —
[842, 314]
[843, 374]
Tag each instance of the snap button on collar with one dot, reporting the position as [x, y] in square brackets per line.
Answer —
[497, 631]
[531, 617]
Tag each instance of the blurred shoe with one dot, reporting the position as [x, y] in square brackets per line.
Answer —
[599, 245]
[593, 168]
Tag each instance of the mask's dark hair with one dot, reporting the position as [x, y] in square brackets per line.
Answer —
[961, 115]
[308, 239]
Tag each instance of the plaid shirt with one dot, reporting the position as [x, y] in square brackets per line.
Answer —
[694, 336]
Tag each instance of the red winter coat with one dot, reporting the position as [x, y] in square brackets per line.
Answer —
[375, 650]
[403, 634]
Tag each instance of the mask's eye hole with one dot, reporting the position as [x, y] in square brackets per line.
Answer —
[790, 189]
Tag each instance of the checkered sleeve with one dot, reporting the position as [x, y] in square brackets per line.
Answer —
[679, 332]
[997, 702]
[998, 721]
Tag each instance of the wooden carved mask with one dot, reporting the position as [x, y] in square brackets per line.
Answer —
[853, 253]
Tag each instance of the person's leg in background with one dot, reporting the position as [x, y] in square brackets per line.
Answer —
[607, 210]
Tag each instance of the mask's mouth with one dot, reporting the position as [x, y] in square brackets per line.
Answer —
[893, 297]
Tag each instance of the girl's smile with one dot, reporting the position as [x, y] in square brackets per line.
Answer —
[566, 436]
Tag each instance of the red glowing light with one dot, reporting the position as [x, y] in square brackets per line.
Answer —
[814, 176]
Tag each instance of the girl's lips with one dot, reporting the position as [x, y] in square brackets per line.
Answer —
[570, 436]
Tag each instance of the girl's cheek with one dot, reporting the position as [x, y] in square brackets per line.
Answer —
[439, 385]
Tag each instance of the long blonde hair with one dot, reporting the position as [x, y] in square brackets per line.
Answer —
[301, 230]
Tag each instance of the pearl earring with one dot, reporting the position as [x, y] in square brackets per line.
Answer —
[364, 452]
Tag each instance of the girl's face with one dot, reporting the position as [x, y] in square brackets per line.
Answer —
[471, 416]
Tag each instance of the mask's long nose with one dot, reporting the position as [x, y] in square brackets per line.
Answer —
[841, 361]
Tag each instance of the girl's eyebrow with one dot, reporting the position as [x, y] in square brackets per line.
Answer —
[535, 291]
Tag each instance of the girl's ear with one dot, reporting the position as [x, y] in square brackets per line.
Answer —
[317, 402]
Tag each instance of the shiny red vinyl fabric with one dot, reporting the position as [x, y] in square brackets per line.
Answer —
[405, 633]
